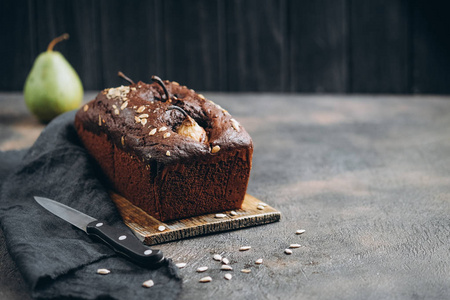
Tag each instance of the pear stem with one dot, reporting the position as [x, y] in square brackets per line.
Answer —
[55, 41]
[120, 74]
[161, 83]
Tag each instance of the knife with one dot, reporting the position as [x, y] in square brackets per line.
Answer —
[119, 240]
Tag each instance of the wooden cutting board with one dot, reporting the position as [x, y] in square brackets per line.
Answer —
[147, 230]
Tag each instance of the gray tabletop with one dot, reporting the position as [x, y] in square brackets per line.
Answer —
[367, 177]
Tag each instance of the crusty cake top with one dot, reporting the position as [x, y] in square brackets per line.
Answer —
[140, 119]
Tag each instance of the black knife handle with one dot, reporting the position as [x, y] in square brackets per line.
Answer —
[126, 244]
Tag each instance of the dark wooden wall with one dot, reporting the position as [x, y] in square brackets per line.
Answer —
[325, 46]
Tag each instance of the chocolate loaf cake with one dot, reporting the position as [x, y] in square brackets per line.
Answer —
[167, 149]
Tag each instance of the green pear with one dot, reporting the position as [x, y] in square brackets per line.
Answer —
[52, 87]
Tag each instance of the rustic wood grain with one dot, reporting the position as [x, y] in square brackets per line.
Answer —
[80, 20]
[368, 177]
[380, 40]
[431, 46]
[146, 227]
[191, 43]
[318, 59]
[254, 45]
[129, 41]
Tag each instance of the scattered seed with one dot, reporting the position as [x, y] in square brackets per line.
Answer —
[162, 228]
[125, 104]
[245, 248]
[225, 261]
[288, 251]
[259, 261]
[86, 107]
[205, 279]
[233, 213]
[260, 207]
[116, 112]
[300, 231]
[202, 269]
[228, 276]
[141, 109]
[114, 106]
[137, 119]
[294, 246]
[162, 128]
[143, 121]
[215, 149]
[246, 270]
[103, 271]
[235, 125]
[148, 283]
[143, 116]
[99, 120]
[220, 216]
[166, 135]
[226, 268]
[217, 257]
[201, 96]
[152, 132]
[168, 153]
[181, 265]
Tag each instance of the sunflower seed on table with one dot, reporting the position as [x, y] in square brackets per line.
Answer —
[162, 228]
[202, 269]
[259, 261]
[226, 268]
[181, 265]
[233, 213]
[294, 246]
[103, 271]
[220, 216]
[228, 276]
[149, 283]
[225, 261]
[205, 279]
[260, 207]
[245, 248]
[246, 270]
[288, 251]
[300, 231]
[217, 257]
[262, 204]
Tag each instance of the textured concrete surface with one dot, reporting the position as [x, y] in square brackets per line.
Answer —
[367, 177]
